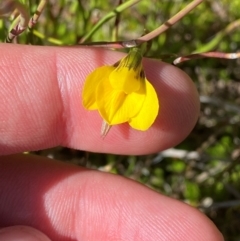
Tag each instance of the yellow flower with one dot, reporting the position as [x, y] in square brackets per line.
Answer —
[121, 93]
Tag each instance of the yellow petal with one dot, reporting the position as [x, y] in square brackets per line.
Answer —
[128, 75]
[125, 79]
[149, 111]
[115, 106]
[91, 83]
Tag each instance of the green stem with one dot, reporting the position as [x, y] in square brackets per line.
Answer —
[110, 15]
[219, 36]
[49, 39]
[147, 37]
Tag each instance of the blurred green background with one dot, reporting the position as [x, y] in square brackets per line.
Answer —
[204, 169]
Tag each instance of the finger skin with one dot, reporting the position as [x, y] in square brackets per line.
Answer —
[41, 106]
[22, 233]
[69, 203]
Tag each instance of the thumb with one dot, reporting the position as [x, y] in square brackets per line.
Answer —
[22, 233]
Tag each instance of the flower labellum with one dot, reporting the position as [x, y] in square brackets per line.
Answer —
[121, 93]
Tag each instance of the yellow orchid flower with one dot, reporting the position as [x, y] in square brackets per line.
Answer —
[121, 93]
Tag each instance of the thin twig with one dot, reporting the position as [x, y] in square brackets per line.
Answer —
[116, 25]
[170, 22]
[146, 37]
[20, 23]
[37, 14]
[219, 55]
[115, 45]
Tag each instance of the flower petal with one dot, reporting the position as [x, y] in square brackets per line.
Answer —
[149, 111]
[125, 79]
[91, 83]
[115, 106]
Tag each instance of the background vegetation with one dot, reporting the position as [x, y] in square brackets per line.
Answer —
[204, 169]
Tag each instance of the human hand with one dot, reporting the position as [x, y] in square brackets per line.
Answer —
[41, 107]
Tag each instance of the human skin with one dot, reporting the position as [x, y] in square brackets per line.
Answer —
[40, 92]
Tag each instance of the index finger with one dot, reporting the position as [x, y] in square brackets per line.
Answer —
[40, 92]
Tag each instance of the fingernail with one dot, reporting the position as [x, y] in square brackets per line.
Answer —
[22, 233]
